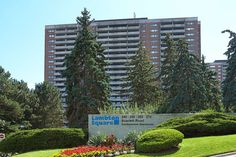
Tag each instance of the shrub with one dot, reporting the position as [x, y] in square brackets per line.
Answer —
[96, 140]
[109, 140]
[154, 141]
[131, 138]
[38, 139]
[203, 124]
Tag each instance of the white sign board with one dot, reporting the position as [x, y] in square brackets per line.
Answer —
[121, 125]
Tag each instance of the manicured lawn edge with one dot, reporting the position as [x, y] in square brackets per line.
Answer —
[194, 147]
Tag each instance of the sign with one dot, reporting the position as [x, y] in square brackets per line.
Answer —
[121, 125]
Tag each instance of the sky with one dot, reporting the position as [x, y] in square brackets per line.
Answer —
[22, 24]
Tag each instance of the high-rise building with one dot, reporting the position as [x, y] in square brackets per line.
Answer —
[120, 38]
[219, 66]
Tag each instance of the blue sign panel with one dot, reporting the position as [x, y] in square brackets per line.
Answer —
[105, 120]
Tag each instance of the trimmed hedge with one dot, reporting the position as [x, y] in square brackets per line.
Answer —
[203, 124]
[38, 139]
[154, 141]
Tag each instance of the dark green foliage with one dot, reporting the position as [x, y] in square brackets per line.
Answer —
[203, 124]
[170, 60]
[187, 93]
[142, 79]
[39, 139]
[157, 140]
[49, 112]
[229, 84]
[11, 113]
[212, 86]
[87, 84]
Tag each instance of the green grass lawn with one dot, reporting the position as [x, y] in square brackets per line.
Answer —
[42, 153]
[191, 147]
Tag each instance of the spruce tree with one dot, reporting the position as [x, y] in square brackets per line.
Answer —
[142, 79]
[170, 58]
[49, 112]
[229, 84]
[212, 86]
[87, 84]
[187, 92]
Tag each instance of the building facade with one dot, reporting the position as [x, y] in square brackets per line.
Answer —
[219, 66]
[120, 38]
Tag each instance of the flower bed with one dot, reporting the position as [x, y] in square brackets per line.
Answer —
[95, 151]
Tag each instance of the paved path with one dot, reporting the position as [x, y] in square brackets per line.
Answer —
[233, 154]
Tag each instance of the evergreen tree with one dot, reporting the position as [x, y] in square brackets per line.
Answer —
[170, 58]
[142, 79]
[229, 84]
[87, 84]
[11, 113]
[212, 86]
[187, 92]
[49, 112]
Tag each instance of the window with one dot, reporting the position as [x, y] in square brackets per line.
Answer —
[154, 24]
[153, 30]
[154, 35]
[189, 23]
[50, 56]
[51, 66]
[154, 57]
[154, 51]
[51, 35]
[51, 50]
[154, 62]
[154, 46]
[190, 39]
[51, 41]
[153, 42]
[51, 61]
[50, 77]
[50, 71]
[189, 29]
[51, 30]
[51, 46]
[189, 34]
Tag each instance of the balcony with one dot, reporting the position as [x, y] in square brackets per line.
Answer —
[65, 36]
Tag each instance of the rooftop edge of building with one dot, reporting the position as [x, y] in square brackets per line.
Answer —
[125, 20]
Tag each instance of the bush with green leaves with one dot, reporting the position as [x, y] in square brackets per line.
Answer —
[203, 124]
[153, 141]
[39, 139]
[96, 140]
[131, 138]
[130, 109]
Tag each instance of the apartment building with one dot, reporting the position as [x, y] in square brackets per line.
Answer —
[219, 66]
[120, 38]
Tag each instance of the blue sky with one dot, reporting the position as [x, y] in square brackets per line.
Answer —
[22, 25]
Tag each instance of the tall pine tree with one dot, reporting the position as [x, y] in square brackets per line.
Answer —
[170, 59]
[212, 86]
[142, 79]
[87, 84]
[229, 84]
[187, 91]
